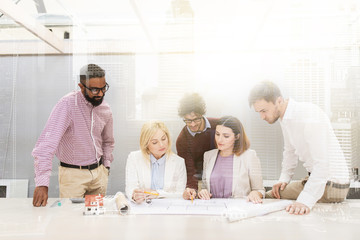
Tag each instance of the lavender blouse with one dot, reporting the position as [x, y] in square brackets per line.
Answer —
[222, 177]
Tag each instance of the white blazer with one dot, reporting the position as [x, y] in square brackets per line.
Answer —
[246, 173]
[138, 175]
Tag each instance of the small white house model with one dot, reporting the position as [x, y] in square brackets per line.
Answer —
[94, 205]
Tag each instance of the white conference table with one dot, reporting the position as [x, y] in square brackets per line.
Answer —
[20, 220]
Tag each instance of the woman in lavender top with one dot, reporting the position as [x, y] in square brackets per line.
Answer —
[232, 170]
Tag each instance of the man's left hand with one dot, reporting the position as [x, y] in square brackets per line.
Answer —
[298, 209]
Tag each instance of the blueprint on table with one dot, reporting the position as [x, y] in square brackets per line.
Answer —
[231, 208]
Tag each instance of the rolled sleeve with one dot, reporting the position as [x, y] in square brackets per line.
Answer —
[317, 142]
[108, 143]
[290, 159]
[48, 142]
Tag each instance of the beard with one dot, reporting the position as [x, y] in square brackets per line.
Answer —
[276, 116]
[95, 101]
[274, 120]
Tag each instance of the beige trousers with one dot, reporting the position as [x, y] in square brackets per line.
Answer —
[76, 183]
[293, 189]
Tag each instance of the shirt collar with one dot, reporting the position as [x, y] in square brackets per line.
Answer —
[207, 125]
[82, 97]
[160, 161]
[289, 110]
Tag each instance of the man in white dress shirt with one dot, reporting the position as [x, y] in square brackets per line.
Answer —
[309, 138]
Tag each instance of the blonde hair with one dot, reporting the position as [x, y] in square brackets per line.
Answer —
[148, 130]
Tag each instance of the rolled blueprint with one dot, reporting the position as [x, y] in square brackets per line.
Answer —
[122, 204]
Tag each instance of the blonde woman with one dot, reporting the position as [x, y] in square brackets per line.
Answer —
[232, 170]
[154, 171]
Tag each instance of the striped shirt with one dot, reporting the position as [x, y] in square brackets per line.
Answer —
[77, 133]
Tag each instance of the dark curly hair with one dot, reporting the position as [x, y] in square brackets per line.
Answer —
[192, 102]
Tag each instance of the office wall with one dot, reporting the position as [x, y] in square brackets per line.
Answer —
[32, 85]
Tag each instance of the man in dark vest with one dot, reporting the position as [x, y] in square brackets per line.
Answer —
[195, 138]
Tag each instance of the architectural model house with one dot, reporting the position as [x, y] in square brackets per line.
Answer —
[94, 205]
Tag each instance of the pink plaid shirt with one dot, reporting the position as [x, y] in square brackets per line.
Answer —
[78, 133]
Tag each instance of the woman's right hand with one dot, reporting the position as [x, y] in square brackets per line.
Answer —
[188, 193]
[138, 195]
[204, 194]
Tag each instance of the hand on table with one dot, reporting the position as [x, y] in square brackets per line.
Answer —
[188, 193]
[255, 197]
[40, 196]
[277, 187]
[298, 209]
[140, 195]
[204, 194]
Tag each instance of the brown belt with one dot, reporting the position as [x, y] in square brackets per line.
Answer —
[338, 185]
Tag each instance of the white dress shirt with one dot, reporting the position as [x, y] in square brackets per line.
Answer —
[309, 138]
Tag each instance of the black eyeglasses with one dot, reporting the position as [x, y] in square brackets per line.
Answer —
[96, 91]
[195, 120]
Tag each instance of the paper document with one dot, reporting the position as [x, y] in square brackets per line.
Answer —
[255, 210]
[233, 209]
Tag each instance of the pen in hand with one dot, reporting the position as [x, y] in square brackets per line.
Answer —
[152, 193]
[192, 194]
